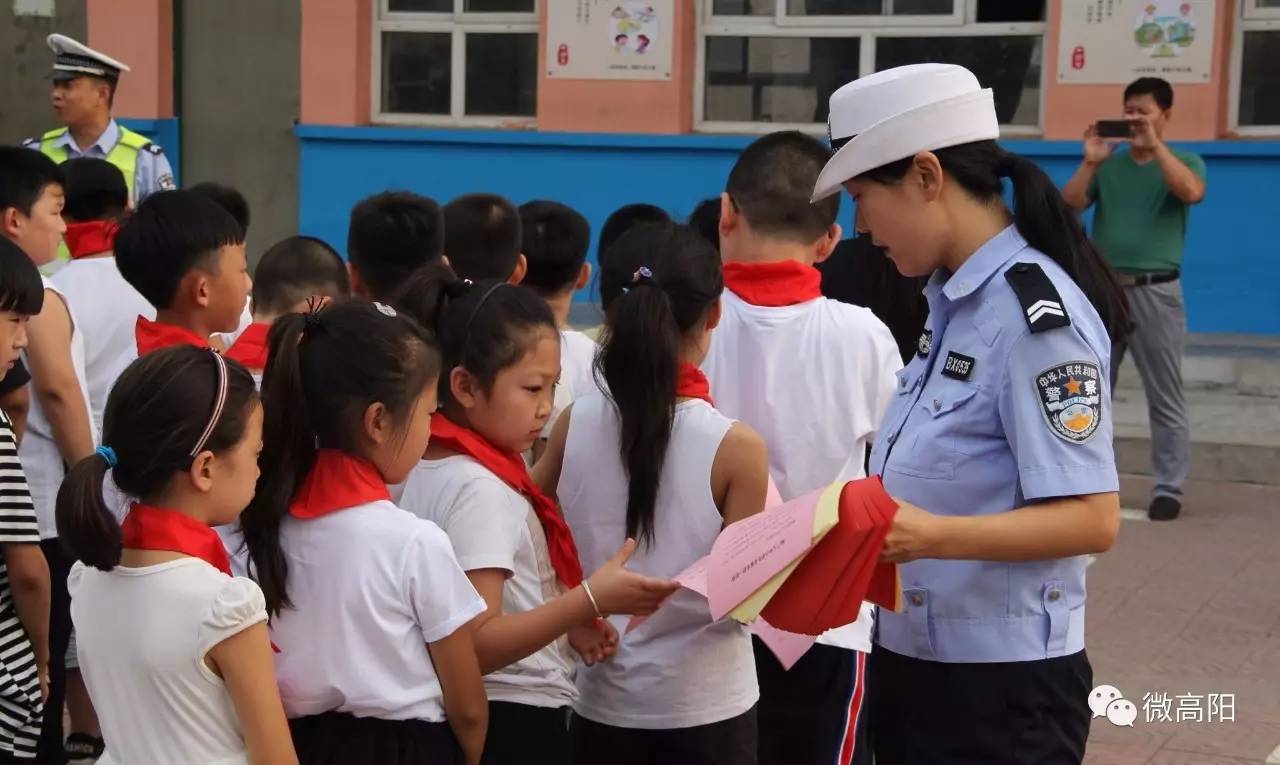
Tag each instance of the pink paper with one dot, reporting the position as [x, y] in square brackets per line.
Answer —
[748, 553]
[787, 646]
[692, 578]
[772, 498]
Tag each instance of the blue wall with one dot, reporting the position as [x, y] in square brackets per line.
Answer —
[164, 132]
[1231, 270]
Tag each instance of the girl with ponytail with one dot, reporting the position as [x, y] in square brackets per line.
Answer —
[653, 460]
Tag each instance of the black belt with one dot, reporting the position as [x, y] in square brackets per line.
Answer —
[1142, 280]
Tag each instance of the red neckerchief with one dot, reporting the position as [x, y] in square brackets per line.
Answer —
[91, 238]
[148, 527]
[250, 348]
[772, 285]
[510, 467]
[154, 335]
[692, 383]
[337, 481]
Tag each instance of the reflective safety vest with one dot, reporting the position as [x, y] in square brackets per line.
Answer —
[123, 155]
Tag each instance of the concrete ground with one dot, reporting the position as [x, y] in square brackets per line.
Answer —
[1191, 607]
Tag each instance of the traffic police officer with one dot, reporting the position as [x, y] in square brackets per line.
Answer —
[84, 86]
[998, 444]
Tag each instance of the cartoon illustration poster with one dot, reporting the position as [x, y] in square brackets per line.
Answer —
[1118, 41]
[610, 39]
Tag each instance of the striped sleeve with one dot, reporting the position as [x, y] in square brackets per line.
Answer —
[17, 515]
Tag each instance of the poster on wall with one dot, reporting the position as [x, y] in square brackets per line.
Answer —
[610, 39]
[1113, 42]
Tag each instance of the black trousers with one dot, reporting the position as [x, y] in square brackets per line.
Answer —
[1016, 713]
[521, 734]
[814, 713]
[51, 735]
[728, 742]
[334, 738]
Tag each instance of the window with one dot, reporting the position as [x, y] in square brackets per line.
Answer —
[1255, 107]
[768, 64]
[456, 62]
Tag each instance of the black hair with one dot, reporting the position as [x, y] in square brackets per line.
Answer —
[705, 219]
[295, 268]
[1041, 215]
[555, 242]
[21, 288]
[772, 182]
[622, 220]
[1156, 87]
[155, 415]
[483, 327]
[24, 175]
[323, 372]
[482, 236]
[390, 236]
[169, 235]
[95, 189]
[637, 361]
[228, 198]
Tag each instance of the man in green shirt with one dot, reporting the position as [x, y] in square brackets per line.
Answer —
[1144, 197]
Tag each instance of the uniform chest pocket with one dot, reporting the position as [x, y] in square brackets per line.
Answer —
[928, 445]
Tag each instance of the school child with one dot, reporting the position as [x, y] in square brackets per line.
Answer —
[24, 573]
[185, 255]
[59, 427]
[231, 200]
[390, 236]
[555, 242]
[814, 377]
[292, 273]
[482, 238]
[368, 603]
[501, 359]
[705, 218]
[174, 650]
[653, 460]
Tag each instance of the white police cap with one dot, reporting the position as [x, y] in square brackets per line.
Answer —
[900, 112]
[75, 59]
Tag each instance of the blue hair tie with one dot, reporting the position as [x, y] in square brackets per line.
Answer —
[108, 454]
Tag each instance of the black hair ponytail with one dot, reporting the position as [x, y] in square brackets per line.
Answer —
[1041, 215]
[155, 415]
[324, 370]
[667, 277]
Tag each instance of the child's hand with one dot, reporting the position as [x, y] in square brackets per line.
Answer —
[619, 591]
[594, 642]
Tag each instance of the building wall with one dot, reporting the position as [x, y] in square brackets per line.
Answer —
[25, 59]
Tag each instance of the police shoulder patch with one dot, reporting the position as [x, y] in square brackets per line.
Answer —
[165, 183]
[1041, 304]
[1070, 396]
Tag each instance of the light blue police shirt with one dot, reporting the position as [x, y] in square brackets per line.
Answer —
[990, 416]
[151, 174]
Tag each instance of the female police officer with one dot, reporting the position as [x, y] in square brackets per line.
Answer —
[998, 445]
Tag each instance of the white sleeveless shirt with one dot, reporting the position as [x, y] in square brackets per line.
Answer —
[41, 459]
[679, 669]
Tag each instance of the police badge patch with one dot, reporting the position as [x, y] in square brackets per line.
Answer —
[1071, 399]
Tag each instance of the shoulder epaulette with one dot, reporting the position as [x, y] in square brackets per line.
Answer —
[1041, 304]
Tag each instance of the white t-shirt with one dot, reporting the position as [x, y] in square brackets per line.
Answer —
[577, 374]
[142, 637]
[108, 308]
[678, 669]
[371, 586]
[493, 526]
[39, 452]
[815, 380]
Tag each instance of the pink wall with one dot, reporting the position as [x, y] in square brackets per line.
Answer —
[336, 75]
[611, 106]
[1199, 111]
[140, 34]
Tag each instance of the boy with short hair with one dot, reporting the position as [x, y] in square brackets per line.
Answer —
[185, 254]
[814, 377]
[482, 238]
[391, 235]
[293, 272]
[229, 199]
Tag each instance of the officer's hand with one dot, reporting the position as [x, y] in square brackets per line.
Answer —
[912, 535]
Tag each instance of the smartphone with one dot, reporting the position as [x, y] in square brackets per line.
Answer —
[1113, 128]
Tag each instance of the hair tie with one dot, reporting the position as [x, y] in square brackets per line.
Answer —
[108, 454]
[219, 401]
[642, 276]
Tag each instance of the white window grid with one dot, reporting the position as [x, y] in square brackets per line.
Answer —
[1258, 9]
[458, 24]
[1254, 17]
[961, 22]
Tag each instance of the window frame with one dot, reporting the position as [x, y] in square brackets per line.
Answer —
[458, 24]
[1250, 20]
[1252, 10]
[867, 29]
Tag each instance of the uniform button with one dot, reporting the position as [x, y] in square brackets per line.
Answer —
[1055, 596]
[893, 438]
[917, 599]
[937, 405]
